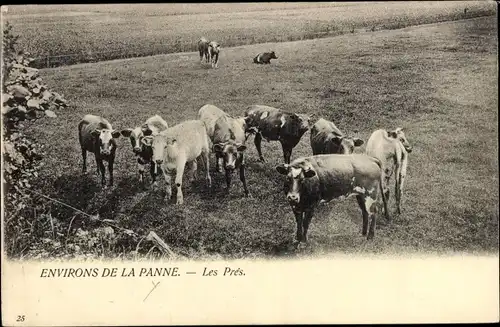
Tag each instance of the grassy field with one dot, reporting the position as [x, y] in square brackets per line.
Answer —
[438, 81]
[89, 33]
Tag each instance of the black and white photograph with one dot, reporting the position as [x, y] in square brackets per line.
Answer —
[217, 132]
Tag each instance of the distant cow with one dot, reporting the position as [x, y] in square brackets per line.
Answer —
[213, 52]
[326, 138]
[391, 148]
[229, 145]
[177, 146]
[264, 58]
[96, 135]
[154, 125]
[322, 178]
[276, 125]
[203, 49]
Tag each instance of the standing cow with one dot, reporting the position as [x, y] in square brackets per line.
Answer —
[276, 125]
[96, 135]
[322, 178]
[213, 53]
[203, 49]
[177, 146]
[264, 58]
[153, 126]
[326, 138]
[391, 148]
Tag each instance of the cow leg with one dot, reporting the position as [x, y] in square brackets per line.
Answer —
[218, 163]
[229, 175]
[287, 152]
[193, 165]
[299, 218]
[168, 183]
[242, 175]
[371, 207]
[361, 203]
[110, 170]
[181, 164]
[305, 223]
[101, 170]
[206, 161]
[402, 176]
[140, 167]
[396, 185]
[84, 157]
[257, 141]
[152, 167]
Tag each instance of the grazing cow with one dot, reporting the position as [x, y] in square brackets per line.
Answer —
[177, 146]
[276, 125]
[264, 58]
[213, 53]
[97, 136]
[391, 148]
[229, 145]
[154, 125]
[326, 138]
[203, 49]
[322, 178]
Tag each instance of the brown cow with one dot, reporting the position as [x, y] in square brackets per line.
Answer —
[326, 138]
[264, 58]
[203, 49]
[322, 178]
[96, 135]
[276, 125]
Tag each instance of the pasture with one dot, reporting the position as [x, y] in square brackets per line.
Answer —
[438, 81]
[88, 33]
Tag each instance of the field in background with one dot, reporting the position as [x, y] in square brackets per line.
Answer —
[437, 81]
[61, 35]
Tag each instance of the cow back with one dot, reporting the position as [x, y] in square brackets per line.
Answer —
[190, 137]
[209, 114]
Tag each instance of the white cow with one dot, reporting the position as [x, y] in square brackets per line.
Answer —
[391, 148]
[177, 146]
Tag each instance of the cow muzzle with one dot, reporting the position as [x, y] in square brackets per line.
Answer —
[230, 167]
[159, 161]
[293, 198]
[105, 152]
[137, 150]
[408, 149]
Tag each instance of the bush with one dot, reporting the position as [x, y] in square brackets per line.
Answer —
[25, 99]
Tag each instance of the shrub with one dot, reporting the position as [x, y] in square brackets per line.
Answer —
[25, 99]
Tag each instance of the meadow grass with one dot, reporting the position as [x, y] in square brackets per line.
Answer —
[438, 81]
[61, 35]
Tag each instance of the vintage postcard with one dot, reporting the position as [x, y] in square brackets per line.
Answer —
[250, 163]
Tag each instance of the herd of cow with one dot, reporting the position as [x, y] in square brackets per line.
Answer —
[332, 172]
[210, 51]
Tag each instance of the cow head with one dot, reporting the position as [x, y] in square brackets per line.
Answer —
[160, 145]
[296, 174]
[229, 151]
[136, 135]
[398, 134]
[105, 140]
[273, 55]
[344, 144]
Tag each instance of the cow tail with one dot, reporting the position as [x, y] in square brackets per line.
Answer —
[80, 126]
[381, 181]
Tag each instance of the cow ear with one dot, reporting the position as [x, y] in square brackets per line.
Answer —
[115, 134]
[148, 141]
[219, 147]
[358, 142]
[127, 132]
[146, 131]
[393, 134]
[337, 139]
[282, 169]
[308, 173]
[96, 132]
[241, 147]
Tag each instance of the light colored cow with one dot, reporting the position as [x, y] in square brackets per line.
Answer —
[96, 135]
[209, 114]
[177, 146]
[229, 145]
[326, 138]
[153, 126]
[213, 53]
[203, 49]
[391, 148]
[322, 178]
